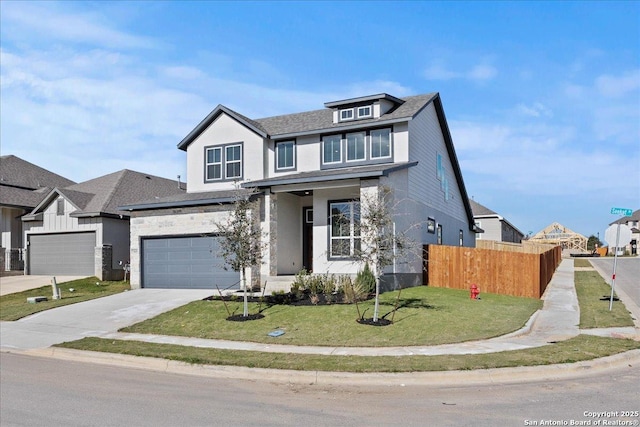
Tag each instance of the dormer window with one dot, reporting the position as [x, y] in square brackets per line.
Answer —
[346, 114]
[364, 112]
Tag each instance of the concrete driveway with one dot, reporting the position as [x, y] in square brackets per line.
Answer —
[12, 284]
[92, 318]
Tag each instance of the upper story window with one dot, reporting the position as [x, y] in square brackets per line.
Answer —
[356, 146]
[234, 161]
[374, 146]
[380, 143]
[346, 114]
[332, 149]
[285, 155]
[364, 112]
[223, 162]
[214, 163]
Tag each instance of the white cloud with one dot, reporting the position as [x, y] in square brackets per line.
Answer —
[618, 86]
[537, 109]
[478, 73]
[46, 21]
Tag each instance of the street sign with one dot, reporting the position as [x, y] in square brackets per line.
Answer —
[617, 238]
[621, 211]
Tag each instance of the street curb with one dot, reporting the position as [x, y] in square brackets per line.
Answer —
[619, 361]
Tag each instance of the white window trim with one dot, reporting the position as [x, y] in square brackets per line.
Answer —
[339, 144]
[364, 116]
[207, 164]
[227, 162]
[348, 119]
[352, 237]
[364, 146]
[371, 144]
[293, 145]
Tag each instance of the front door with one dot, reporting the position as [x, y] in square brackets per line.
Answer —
[307, 238]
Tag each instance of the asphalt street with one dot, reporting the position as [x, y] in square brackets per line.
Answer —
[37, 391]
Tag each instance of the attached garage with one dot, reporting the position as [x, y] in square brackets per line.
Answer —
[69, 254]
[185, 262]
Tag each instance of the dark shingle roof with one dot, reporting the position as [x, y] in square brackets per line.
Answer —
[310, 121]
[321, 120]
[103, 195]
[187, 199]
[16, 172]
[479, 210]
[635, 216]
[121, 188]
[19, 197]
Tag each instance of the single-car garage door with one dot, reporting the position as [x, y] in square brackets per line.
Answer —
[185, 262]
[69, 254]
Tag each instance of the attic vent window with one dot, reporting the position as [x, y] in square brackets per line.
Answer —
[60, 207]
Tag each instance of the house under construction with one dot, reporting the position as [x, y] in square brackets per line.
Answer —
[558, 234]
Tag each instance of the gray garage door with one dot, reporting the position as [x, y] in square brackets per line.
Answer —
[70, 254]
[185, 262]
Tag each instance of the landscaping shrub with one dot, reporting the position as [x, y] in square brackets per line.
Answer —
[366, 280]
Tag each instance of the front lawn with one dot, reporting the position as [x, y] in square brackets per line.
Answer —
[425, 316]
[15, 306]
[582, 347]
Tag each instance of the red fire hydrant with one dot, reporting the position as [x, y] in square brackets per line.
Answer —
[475, 291]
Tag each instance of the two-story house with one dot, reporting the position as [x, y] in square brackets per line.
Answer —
[310, 170]
[633, 222]
[494, 226]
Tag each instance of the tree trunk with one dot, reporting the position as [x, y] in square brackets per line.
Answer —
[246, 299]
[376, 305]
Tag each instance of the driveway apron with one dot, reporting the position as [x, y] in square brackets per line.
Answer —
[93, 318]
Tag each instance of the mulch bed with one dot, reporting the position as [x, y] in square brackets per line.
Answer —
[241, 318]
[379, 322]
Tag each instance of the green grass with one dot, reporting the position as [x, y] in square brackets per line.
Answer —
[15, 306]
[582, 347]
[594, 312]
[426, 316]
[582, 263]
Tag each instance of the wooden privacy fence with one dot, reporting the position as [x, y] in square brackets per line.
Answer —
[522, 274]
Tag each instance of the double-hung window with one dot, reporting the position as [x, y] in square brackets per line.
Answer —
[380, 143]
[332, 149]
[234, 161]
[344, 229]
[214, 163]
[285, 155]
[223, 162]
[356, 146]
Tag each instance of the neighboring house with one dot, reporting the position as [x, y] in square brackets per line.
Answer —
[78, 230]
[633, 222]
[494, 226]
[310, 170]
[22, 186]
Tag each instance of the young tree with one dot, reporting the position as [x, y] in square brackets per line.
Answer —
[241, 237]
[380, 243]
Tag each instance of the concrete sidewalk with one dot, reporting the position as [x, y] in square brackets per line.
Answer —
[19, 283]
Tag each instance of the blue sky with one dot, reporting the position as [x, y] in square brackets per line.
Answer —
[542, 98]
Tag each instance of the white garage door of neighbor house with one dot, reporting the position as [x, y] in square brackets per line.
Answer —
[185, 262]
[69, 254]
